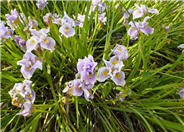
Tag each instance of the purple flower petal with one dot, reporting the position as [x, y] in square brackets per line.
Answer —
[119, 78]
[41, 4]
[103, 74]
[181, 93]
[27, 109]
[29, 64]
[32, 43]
[120, 51]
[20, 41]
[88, 94]
[67, 30]
[48, 43]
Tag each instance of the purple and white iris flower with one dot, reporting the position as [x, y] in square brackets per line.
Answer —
[41, 4]
[32, 23]
[113, 67]
[120, 51]
[166, 28]
[74, 87]
[57, 19]
[20, 41]
[115, 64]
[26, 109]
[29, 64]
[97, 3]
[67, 20]
[40, 38]
[181, 46]
[5, 33]
[119, 78]
[101, 8]
[23, 96]
[12, 18]
[80, 20]
[47, 18]
[113, 71]
[126, 14]
[86, 68]
[142, 10]
[120, 96]
[67, 28]
[77, 87]
[24, 90]
[103, 74]
[181, 93]
[88, 94]
[31, 43]
[101, 18]
[144, 27]
[133, 30]
[83, 84]
[137, 27]
[48, 43]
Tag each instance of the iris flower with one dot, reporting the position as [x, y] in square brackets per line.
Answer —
[29, 64]
[67, 28]
[181, 93]
[5, 33]
[20, 41]
[142, 10]
[181, 46]
[41, 4]
[23, 96]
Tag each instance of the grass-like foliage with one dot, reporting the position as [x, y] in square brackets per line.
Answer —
[154, 69]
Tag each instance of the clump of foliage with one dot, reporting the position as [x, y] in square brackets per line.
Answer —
[60, 34]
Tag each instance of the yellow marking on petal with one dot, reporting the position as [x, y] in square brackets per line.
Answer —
[46, 41]
[115, 61]
[133, 28]
[105, 72]
[15, 102]
[89, 90]
[8, 32]
[18, 91]
[29, 95]
[70, 90]
[146, 27]
[67, 29]
[139, 12]
[28, 68]
[120, 49]
[36, 58]
[118, 75]
[32, 41]
[90, 75]
[79, 88]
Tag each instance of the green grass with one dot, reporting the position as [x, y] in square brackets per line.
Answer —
[154, 72]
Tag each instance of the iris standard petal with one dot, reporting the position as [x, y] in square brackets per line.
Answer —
[103, 74]
[26, 109]
[32, 43]
[48, 43]
[119, 78]
[67, 30]
[120, 51]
